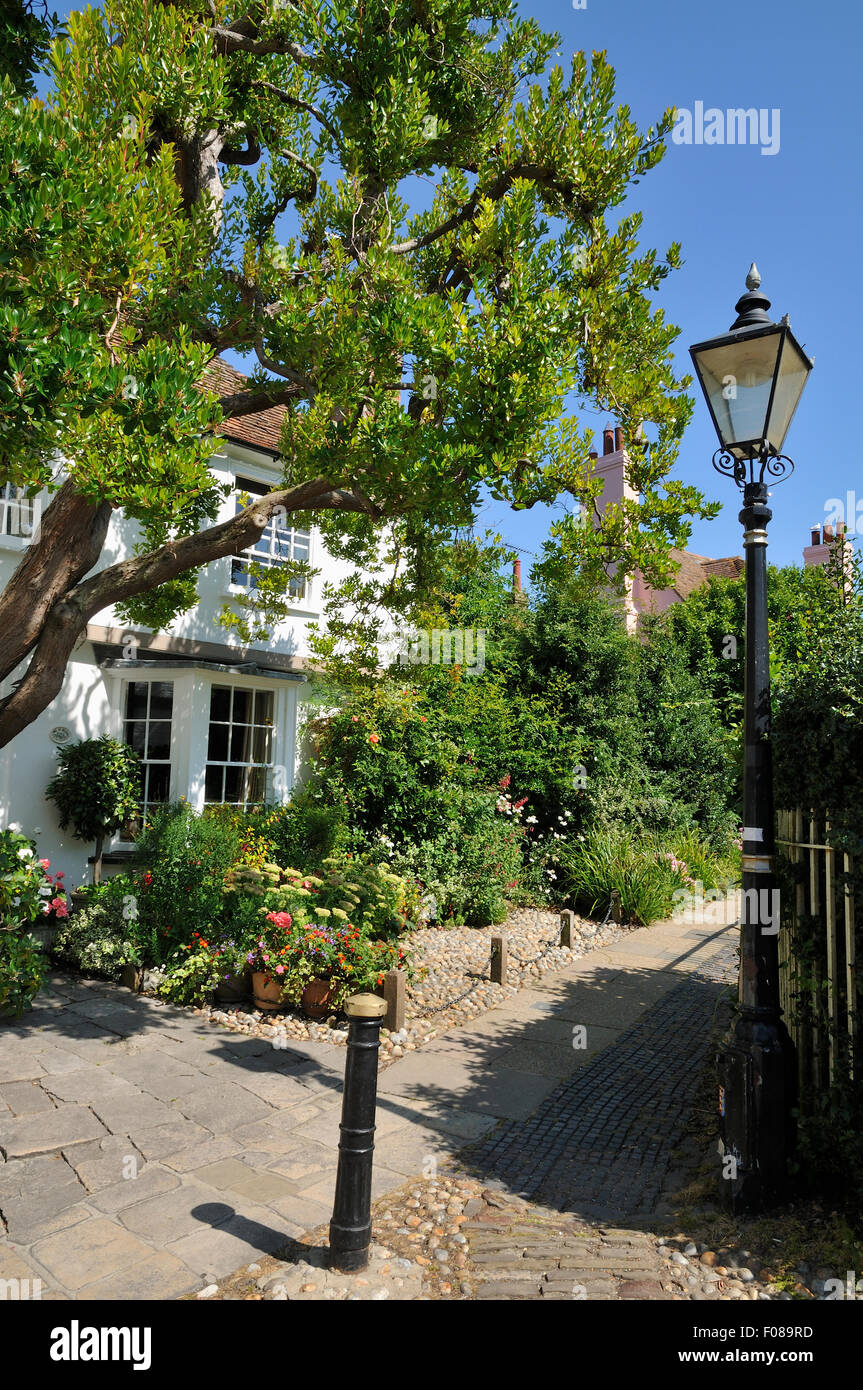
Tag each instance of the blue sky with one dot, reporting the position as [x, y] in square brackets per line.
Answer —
[796, 212]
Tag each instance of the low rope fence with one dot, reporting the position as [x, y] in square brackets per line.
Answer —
[500, 956]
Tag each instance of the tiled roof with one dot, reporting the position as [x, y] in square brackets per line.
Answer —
[695, 570]
[262, 428]
[691, 572]
[731, 567]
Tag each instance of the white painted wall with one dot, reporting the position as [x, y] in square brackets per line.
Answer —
[91, 700]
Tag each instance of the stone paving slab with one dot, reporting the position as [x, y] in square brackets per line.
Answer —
[145, 1150]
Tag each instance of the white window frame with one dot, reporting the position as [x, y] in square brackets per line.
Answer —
[190, 725]
[238, 464]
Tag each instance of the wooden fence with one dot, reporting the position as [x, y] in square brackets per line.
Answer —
[817, 952]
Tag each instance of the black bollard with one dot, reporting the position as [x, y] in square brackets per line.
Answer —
[351, 1226]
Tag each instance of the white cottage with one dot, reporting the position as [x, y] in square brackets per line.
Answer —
[213, 720]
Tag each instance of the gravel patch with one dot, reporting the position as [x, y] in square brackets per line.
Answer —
[452, 984]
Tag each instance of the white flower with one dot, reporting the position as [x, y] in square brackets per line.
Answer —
[531, 820]
[25, 853]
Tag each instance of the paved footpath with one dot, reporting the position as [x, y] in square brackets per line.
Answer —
[146, 1153]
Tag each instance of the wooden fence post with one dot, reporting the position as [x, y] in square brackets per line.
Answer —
[395, 996]
[567, 924]
[498, 959]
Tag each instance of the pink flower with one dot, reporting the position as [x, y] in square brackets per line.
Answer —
[59, 874]
[280, 970]
[374, 738]
[354, 719]
[46, 863]
[280, 919]
[62, 910]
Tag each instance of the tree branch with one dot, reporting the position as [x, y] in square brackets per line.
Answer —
[299, 104]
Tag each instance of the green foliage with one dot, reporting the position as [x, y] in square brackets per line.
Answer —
[302, 832]
[22, 971]
[96, 787]
[26, 30]
[98, 939]
[818, 762]
[27, 891]
[191, 975]
[422, 357]
[348, 889]
[183, 859]
[642, 871]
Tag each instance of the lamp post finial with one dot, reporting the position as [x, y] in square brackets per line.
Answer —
[753, 279]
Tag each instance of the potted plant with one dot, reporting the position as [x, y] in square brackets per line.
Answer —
[96, 789]
[266, 961]
[332, 958]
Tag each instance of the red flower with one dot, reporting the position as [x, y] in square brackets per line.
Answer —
[374, 738]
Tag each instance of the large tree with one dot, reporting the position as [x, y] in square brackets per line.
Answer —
[206, 177]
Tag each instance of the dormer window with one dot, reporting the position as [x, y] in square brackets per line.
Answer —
[279, 542]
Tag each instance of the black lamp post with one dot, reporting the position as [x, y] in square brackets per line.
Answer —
[752, 378]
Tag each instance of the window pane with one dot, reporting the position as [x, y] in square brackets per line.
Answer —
[242, 706]
[248, 485]
[262, 748]
[256, 784]
[263, 706]
[136, 700]
[161, 699]
[136, 734]
[159, 740]
[217, 748]
[159, 782]
[220, 702]
[301, 549]
[213, 784]
[232, 783]
[241, 742]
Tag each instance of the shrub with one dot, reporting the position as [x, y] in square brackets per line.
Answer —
[96, 789]
[191, 974]
[642, 871]
[303, 832]
[348, 888]
[97, 938]
[28, 893]
[22, 971]
[184, 858]
[471, 868]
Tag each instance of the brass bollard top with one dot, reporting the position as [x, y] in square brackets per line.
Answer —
[365, 1006]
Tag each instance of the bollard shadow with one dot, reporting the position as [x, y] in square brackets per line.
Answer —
[575, 1098]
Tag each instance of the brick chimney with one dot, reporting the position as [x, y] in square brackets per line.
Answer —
[823, 540]
[608, 440]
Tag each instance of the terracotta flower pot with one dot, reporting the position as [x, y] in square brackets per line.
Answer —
[316, 998]
[234, 989]
[267, 992]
